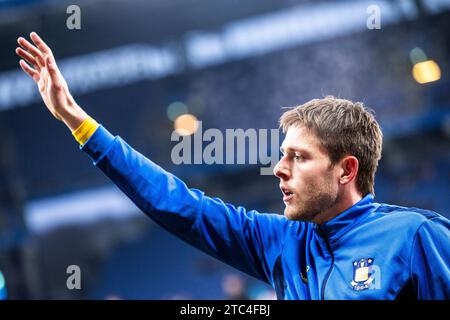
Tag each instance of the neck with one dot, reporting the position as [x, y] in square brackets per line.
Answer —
[343, 203]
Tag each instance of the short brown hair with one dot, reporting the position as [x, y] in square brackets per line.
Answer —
[343, 128]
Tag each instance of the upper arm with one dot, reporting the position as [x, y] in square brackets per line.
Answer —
[248, 240]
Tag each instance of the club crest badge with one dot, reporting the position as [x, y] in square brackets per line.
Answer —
[362, 274]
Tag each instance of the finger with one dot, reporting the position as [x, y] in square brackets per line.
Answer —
[35, 52]
[53, 71]
[40, 43]
[42, 84]
[30, 71]
[28, 58]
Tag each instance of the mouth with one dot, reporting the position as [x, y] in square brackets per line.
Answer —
[287, 193]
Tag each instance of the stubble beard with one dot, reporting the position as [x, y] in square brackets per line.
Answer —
[317, 200]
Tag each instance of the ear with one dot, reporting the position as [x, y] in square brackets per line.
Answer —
[349, 169]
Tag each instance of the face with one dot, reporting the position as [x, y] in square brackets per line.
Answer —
[308, 181]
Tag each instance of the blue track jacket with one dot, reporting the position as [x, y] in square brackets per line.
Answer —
[370, 251]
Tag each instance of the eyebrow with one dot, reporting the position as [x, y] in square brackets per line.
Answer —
[293, 149]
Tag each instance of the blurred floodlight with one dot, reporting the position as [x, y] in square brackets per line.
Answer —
[176, 109]
[282, 30]
[427, 71]
[83, 207]
[417, 55]
[204, 49]
[186, 124]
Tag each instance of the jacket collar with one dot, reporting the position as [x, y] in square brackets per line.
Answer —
[345, 221]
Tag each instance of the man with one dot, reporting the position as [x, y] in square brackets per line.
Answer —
[333, 242]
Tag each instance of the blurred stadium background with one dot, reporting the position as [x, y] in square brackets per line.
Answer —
[136, 65]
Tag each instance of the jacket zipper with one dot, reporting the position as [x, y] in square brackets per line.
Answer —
[332, 264]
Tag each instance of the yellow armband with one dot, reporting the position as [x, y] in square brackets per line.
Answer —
[85, 130]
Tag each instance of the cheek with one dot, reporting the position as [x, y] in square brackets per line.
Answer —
[304, 177]
[312, 176]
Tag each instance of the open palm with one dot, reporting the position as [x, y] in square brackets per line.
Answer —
[39, 63]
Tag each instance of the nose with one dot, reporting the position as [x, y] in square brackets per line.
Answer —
[281, 171]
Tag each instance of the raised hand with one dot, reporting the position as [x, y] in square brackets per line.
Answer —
[39, 63]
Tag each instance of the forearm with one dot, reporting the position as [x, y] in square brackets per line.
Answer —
[154, 190]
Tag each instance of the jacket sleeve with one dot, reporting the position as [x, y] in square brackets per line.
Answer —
[247, 240]
[430, 259]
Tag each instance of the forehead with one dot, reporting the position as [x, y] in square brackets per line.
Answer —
[298, 137]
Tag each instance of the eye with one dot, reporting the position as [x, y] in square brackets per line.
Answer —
[297, 157]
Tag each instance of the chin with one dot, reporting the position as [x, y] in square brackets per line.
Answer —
[296, 214]
[292, 214]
